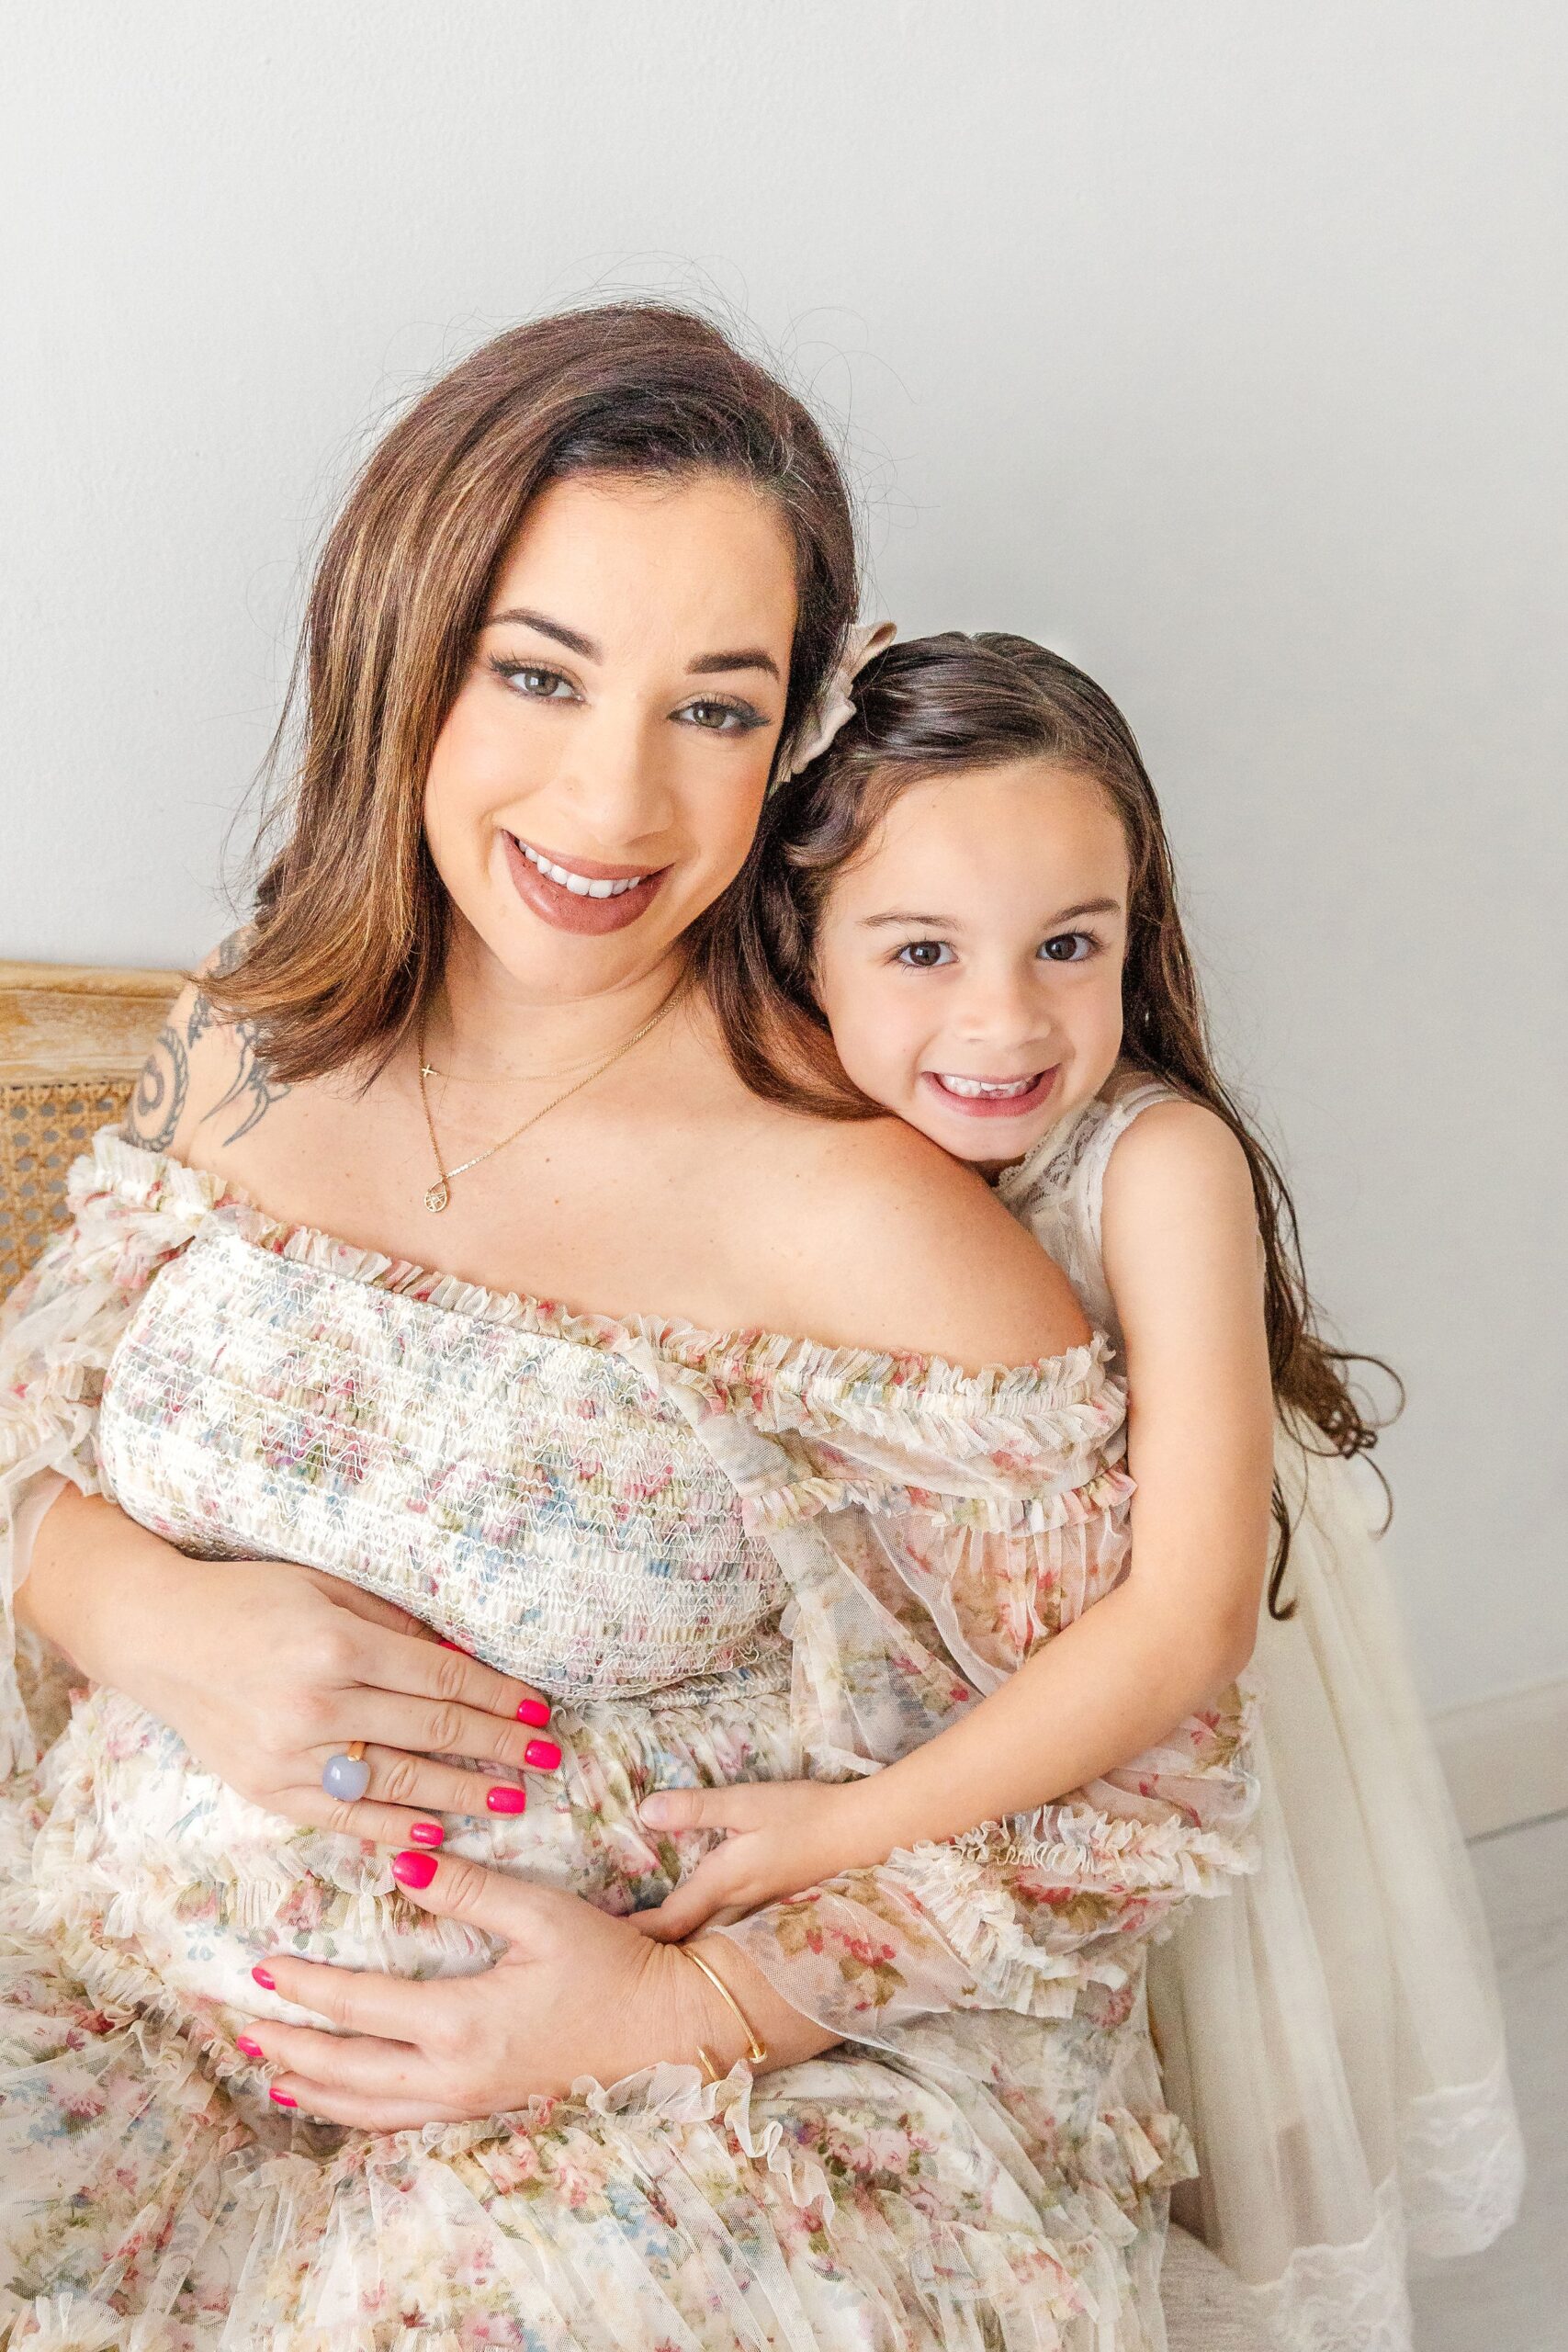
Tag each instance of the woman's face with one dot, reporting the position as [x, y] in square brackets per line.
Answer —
[969, 961]
[599, 778]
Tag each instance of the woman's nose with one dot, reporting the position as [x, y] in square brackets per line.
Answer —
[618, 780]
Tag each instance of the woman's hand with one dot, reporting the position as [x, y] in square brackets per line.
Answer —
[266, 1669]
[781, 1837]
[575, 1993]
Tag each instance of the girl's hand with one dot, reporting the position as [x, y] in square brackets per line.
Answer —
[266, 1669]
[781, 1837]
[575, 1993]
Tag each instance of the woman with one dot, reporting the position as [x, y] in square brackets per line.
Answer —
[326, 2022]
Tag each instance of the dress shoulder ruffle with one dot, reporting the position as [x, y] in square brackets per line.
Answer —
[1029, 1447]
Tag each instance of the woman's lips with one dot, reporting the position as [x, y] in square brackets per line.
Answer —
[571, 909]
[1023, 1097]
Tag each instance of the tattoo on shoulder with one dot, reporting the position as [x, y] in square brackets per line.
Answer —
[252, 1090]
[163, 1087]
[203, 1012]
[161, 1091]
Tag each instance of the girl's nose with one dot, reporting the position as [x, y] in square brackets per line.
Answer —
[1000, 1009]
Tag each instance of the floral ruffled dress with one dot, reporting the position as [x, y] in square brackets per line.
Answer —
[724, 1557]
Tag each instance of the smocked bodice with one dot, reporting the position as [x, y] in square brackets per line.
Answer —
[526, 1492]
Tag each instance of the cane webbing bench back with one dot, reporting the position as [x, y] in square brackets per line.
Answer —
[72, 1038]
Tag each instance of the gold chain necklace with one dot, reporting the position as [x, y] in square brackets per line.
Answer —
[440, 1193]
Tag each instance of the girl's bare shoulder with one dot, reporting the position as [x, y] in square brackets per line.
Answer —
[1177, 1160]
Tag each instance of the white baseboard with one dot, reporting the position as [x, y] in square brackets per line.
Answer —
[1506, 1758]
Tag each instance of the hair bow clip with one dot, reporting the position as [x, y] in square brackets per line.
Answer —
[835, 703]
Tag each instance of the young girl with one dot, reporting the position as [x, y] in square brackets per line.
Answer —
[971, 889]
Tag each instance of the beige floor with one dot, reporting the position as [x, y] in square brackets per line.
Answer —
[1514, 2298]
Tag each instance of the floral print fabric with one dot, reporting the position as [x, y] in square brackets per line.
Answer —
[790, 1558]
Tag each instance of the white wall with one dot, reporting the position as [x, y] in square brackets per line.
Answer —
[1222, 346]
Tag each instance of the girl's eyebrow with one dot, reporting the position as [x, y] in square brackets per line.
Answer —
[1089, 907]
[931, 922]
[951, 922]
[705, 665]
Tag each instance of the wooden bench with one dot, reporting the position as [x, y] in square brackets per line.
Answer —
[73, 1037]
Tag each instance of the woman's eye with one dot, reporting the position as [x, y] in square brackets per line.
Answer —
[722, 718]
[538, 685]
[924, 955]
[1069, 947]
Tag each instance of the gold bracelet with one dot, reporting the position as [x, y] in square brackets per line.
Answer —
[709, 2069]
[756, 2050]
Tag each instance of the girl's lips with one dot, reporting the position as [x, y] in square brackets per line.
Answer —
[565, 908]
[993, 1106]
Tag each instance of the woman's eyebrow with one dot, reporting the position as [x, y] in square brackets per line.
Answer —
[750, 657]
[706, 665]
[574, 639]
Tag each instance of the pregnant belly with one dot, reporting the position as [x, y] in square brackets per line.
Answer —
[163, 1886]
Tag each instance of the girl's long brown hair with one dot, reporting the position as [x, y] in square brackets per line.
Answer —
[940, 705]
[351, 916]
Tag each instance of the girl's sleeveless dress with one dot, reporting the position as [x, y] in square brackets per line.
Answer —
[1332, 2033]
[725, 1556]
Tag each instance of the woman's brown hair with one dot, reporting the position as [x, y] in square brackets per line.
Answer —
[351, 917]
[938, 706]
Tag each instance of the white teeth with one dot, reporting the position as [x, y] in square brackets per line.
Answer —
[990, 1090]
[578, 884]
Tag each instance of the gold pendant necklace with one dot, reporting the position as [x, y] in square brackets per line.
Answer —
[439, 1193]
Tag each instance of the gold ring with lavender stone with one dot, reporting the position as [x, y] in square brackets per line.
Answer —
[347, 1775]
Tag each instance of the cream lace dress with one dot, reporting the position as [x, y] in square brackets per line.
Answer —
[1331, 2034]
[725, 1557]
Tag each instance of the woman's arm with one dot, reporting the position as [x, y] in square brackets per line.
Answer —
[266, 1668]
[573, 1992]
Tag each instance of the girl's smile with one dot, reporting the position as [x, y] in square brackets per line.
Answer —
[991, 1098]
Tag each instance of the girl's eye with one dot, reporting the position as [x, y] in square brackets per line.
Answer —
[722, 717]
[1069, 947]
[924, 955]
[537, 684]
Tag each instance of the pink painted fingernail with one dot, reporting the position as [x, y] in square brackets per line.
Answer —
[265, 1978]
[427, 1833]
[505, 1798]
[542, 1754]
[453, 1645]
[251, 2049]
[534, 1712]
[281, 2098]
[414, 1869]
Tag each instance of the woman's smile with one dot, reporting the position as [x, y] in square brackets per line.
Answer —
[579, 893]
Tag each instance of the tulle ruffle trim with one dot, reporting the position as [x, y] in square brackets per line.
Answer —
[969, 1888]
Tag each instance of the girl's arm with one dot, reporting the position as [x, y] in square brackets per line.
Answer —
[1184, 1265]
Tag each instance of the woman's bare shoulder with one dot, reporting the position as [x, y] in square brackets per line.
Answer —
[876, 1239]
[203, 1086]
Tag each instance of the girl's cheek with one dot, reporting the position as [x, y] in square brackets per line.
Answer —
[875, 1050]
